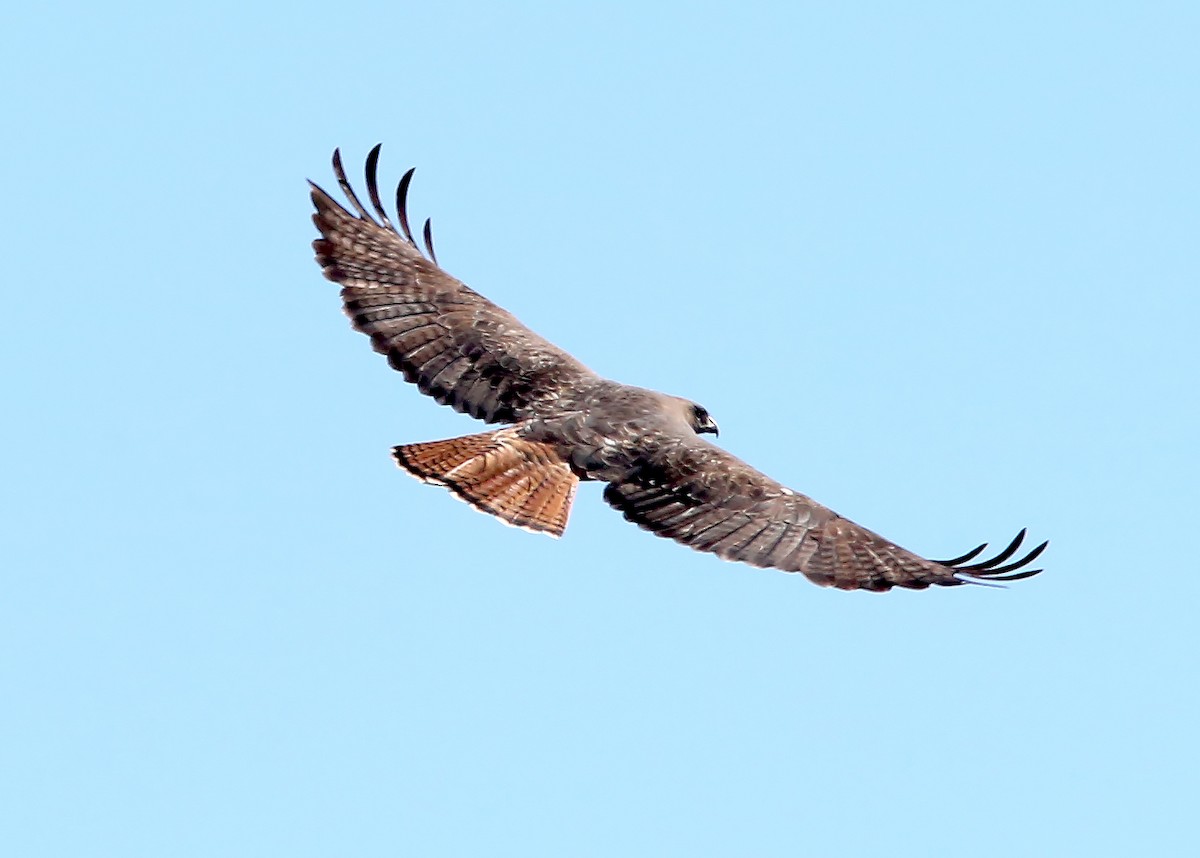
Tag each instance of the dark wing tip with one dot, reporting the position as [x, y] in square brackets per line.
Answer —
[373, 185]
[1008, 552]
[428, 236]
[994, 568]
[372, 177]
[402, 204]
[1017, 576]
[340, 173]
[963, 558]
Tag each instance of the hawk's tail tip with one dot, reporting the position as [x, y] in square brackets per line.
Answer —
[523, 483]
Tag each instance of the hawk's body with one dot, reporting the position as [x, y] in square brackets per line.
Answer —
[569, 424]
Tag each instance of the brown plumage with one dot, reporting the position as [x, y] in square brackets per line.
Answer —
[569, 424]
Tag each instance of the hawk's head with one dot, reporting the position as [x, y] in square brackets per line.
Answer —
[702, 421]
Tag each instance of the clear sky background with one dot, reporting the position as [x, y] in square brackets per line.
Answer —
[934, 264]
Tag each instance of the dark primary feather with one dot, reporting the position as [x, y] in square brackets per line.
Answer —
[428, 234]
[457, 346]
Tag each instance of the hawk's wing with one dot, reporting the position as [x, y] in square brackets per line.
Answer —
[703, 497]
[457, 346]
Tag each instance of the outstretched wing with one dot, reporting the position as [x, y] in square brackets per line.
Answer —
[703, 497]
[456, 345]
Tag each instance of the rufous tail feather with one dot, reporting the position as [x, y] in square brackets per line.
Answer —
[523, 483]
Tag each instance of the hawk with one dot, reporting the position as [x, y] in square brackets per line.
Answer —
[565, 423]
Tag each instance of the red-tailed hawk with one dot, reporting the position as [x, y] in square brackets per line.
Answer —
[568, 424]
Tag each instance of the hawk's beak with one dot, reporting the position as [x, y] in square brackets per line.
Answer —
[710, 425]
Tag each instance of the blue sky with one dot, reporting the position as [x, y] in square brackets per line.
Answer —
[934, 265]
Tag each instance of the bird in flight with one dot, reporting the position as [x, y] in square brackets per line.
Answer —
[564, 423]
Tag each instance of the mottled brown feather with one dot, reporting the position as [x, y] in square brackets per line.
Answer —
[703, 497]
[450, 341]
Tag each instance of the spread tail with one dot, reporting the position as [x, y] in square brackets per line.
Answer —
[523, 483]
